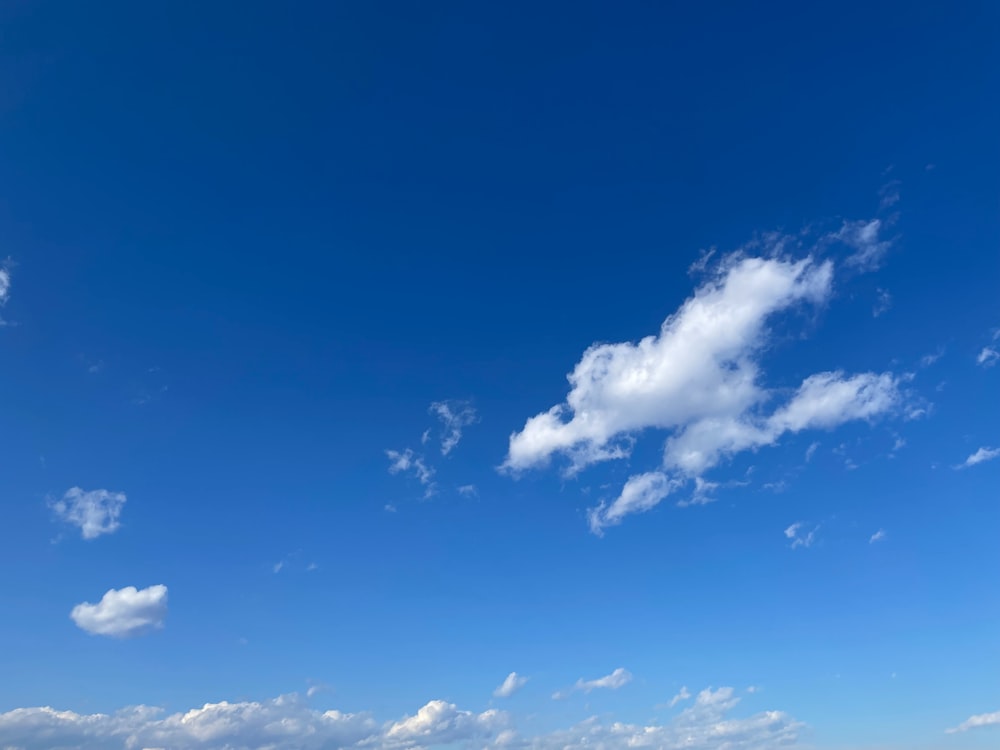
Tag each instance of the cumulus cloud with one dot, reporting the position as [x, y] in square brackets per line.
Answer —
[980, 456]
[122, 613]
[617, 679]
[438, 723]
[699, 379]
[800, 535]
[289, 723]
[94, 513]
[510, 685]
[878, 536]
[976, 722]
[455, 416]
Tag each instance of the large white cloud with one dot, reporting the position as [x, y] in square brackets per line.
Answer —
[123, 612]
[700, 365]
[699, 379]
[290, 723]
[95, 512]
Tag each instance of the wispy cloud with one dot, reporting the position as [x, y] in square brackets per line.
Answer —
[455, 416]
[883, 302]
[617, 679]
[801, 535]
[987, 357]
[878, 536]
[976, 722]
[511, 684]
[682, 695]
[980, 456]
[865, 238]
[407, 461]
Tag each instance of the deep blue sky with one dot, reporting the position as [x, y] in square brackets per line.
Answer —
[250, 244]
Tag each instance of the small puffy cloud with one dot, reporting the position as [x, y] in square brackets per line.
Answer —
[510, 685]
[122, 613]
[617, 679]
[699, 379]
[94, 513]
[864, 237]
[987, 357]
[468, 490]
[980, 456]
[682, 695]
[455, 416]
[800, 535]
[878, 536]
[976, 722]
[811, 451]
[439, 723]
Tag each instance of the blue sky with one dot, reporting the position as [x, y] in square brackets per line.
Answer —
[290, 299]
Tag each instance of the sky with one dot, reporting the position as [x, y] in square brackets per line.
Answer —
[521, 375]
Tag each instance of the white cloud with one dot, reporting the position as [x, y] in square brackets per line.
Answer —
[407, 461]
[438, 723]
[863, 237]
[640, 493]
[94, 513]
[811, 450]
[698, 379]
[682, 695]
[123, 612]
[4, 285]
[988, 357]
[878, 536]
[701, 365]
[455, 416]
[980, 456]
[510, 685]
[706, 725]
[976, 722]
[289, 723]
[800, 535]
[468, 490]
[617, 679]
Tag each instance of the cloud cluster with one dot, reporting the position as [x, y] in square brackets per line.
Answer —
[94, 513]
[699, 379]
[801, 535]
[455, 415]
[123, 613]
[290, 723]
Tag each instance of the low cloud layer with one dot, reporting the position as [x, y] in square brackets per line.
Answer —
[289, 722]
